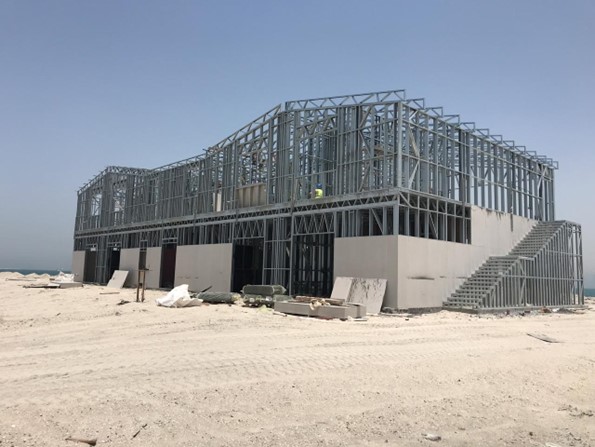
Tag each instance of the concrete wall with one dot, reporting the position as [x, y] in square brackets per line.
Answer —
[431, 270]
[496, 232]
[201, 266]
[129, 261]
[369, 257]
[78, 265]
[154, 267]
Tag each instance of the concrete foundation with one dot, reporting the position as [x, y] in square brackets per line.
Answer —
[201, 266]
[78, 265]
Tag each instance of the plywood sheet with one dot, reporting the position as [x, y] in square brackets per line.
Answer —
[118, 279]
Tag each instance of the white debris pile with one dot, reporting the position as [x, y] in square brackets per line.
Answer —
[178, 297]
[63, 277]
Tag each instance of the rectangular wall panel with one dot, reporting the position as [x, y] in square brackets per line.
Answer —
[154, 267]
[129, 261]
[369, 257]
[430, 270]
[201, 266]
[78, 265]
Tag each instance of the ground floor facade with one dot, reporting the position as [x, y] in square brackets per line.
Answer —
[423, 247]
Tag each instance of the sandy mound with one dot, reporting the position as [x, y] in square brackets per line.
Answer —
[11, 275]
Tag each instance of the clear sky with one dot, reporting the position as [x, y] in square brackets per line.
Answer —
[86, 84]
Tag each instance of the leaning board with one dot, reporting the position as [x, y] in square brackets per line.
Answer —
[367, 291]
[118, 279]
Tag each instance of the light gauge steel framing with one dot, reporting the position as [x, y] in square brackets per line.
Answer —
[387, 165]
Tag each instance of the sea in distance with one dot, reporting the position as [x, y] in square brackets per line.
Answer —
[36, 271]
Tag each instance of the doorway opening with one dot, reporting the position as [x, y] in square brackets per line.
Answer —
[312, 271]
[248, 261]
[114, 261]
[90, 265]
[168, 266]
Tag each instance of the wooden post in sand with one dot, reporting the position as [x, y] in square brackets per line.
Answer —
[141, 284]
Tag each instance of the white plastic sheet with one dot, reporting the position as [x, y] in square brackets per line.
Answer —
[178, 297]
[64, 277]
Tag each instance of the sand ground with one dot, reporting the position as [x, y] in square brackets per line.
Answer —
[73, 363]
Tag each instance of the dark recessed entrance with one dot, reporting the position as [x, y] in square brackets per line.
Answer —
[313, 265]
[114, 261]
[247, 263]
[168, 266]
[90, 265]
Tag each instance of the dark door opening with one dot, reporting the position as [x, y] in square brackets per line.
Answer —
[312, 271]
[168, 266]
[114, 262]
[90, 265]
[247, 263]
[142, 259]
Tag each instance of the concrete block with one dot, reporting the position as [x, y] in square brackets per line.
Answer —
[341, 312]
[304, 309]
[292, 308]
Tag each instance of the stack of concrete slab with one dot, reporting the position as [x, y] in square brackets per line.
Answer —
[365, 291]
[263, 294]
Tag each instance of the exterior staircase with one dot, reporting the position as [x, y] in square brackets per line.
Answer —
[541, 270]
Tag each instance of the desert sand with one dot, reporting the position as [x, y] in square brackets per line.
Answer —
[73, 363]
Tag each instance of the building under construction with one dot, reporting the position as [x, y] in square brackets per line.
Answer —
[370, 185]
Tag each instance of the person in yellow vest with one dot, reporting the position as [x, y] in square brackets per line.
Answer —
[318, 192]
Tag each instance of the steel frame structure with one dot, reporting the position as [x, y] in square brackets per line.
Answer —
[388, 165]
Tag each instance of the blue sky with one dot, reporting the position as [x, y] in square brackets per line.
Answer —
[88, 84]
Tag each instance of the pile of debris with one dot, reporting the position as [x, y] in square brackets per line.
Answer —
[324, 308]
[251, 296]
[60, 281]
[351, 299]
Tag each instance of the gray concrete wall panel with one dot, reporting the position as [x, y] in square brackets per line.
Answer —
[78, 265]
[154, 267]
[129, 261]
[369, 257]
[430, 270]
[201, 266]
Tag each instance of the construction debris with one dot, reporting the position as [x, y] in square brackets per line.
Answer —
[263, 295]
[264, 290]
[139, 430]
[431, 436]
[251, 300]
[220, 297]
[544, 338]
[320, 308]
[84, 441]
[178, 297]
